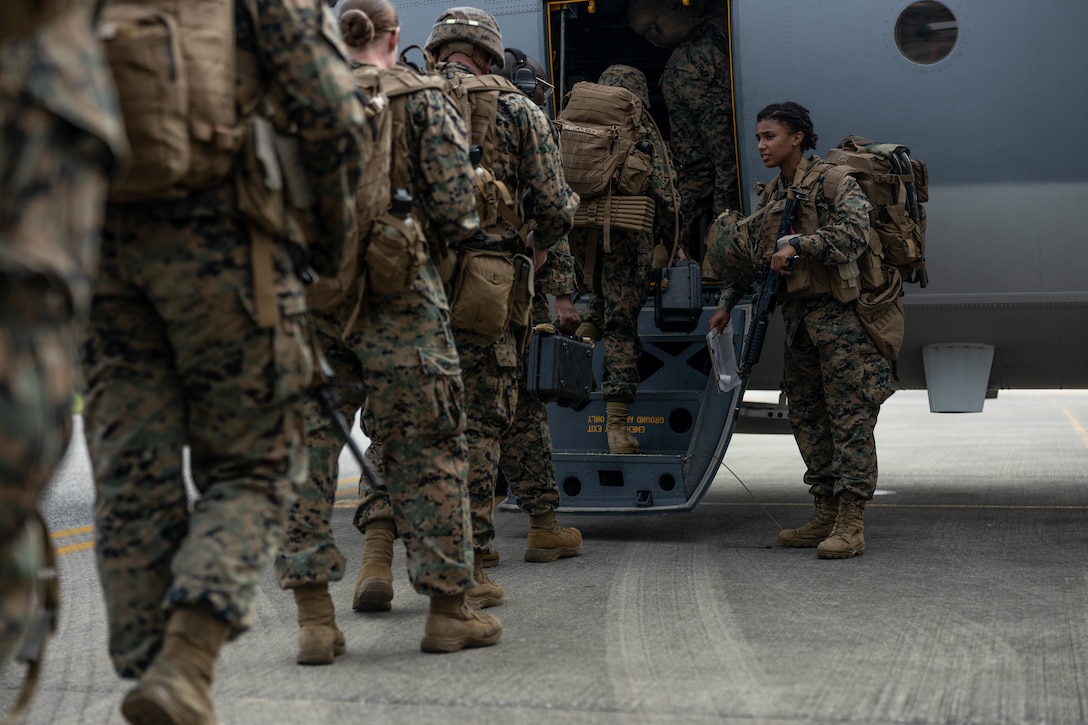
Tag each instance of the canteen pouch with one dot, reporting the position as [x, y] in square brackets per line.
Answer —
[482, 292]
[395, 251]
[560, 367]
[881, 314]
[678, 297]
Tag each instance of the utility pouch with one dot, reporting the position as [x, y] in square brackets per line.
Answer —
[560, 367]
[678, 297]
[394, 253]
[881, 313]
[635, 174]
[482, 291]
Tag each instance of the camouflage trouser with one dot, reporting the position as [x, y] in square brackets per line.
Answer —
[490, 400]
[52, 191]
[175, 356]
[835, 381]
[620, 284]
[701, 141]
[402, 350]
[526, 455]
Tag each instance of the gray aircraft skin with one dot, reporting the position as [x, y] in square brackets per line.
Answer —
[984, 93]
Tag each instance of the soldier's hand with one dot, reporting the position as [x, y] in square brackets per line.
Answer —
[719, 320]
[567, 315]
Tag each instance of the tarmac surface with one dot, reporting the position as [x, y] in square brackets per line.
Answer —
[967, 607]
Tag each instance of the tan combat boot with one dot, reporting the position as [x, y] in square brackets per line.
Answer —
[548, 541]
[176, 688]
[848, 538]
[452, 625]
[320, 641]
[490, 558]
[374, 587]
[817, 529]
[486, 593]
[620, 440]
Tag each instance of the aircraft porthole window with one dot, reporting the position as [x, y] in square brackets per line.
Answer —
[926, 32]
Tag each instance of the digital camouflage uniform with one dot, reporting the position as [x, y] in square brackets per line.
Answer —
[176, 357]
[696, 86]
[834, 378]
[403, 351]
[526, 455]
[526, 158]
[621, 277]
[59, 133]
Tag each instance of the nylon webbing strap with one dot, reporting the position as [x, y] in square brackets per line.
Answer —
[264, 288]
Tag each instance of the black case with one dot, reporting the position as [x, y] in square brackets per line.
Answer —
[560, 367]
[678, 305]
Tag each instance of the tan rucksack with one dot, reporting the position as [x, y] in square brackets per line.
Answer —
[896, 186]
[175, 64]
[600, 139]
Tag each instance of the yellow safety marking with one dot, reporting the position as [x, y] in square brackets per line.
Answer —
[71, 548]
[1076, 424]
[72, 532]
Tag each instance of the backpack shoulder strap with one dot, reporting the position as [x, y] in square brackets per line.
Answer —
[401, 80]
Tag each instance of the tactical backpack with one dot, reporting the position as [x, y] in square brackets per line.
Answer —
[896, 186]
[606, 153]
[372, 198]
[386, 242]
[175, 64]
[477, 98]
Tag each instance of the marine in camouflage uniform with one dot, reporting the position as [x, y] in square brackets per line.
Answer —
[525, 461]
[621, 277]
[402, 349]
[177, 356]
[834, 377]
[526, 161]
[697, 90]
[60, 132]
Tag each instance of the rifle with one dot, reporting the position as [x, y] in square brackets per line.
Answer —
[326, 398]
[767, 295]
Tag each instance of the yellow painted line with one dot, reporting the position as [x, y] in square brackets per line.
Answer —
[72, 532]
[1076, 424]
[72, 548]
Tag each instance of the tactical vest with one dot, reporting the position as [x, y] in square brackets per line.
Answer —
[185, 90]
[811, 278]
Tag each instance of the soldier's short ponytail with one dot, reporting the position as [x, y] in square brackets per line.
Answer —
[361, 21]
[793, 116]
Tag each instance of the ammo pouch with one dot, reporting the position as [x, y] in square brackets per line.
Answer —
[881, 313]
[395, 251]
[482, 293]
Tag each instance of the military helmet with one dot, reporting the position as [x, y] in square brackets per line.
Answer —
[625, 76]
[470, 25]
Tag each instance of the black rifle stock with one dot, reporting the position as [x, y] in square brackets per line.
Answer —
[767, 296]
